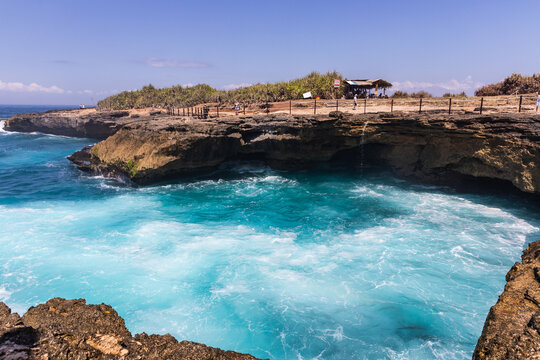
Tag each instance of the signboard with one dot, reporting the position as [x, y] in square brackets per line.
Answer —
[307, 95]
[337, 83]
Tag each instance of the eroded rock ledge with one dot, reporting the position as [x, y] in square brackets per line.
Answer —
[512, 327]
[430, 147]
[69, 329]
[434, 148]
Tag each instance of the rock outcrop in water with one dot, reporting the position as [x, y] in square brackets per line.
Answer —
[71, 330]
[77, 123]
[433, 148]
[512, 327]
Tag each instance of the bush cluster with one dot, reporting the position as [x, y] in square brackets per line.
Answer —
[512, 85]
[403, 94]
[448, 95]
[178, 96]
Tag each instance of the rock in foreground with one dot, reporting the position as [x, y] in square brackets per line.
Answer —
[512, 327]
[69, 329]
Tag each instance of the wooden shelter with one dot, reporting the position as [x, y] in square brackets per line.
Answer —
[362, 88]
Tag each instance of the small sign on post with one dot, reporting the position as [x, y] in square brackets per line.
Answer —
[307, 95]
[337, 83]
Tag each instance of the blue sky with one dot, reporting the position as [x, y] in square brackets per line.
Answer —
[71, 51]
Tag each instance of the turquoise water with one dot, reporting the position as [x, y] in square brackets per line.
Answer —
[323, 264]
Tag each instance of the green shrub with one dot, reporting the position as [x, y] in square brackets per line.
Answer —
[448, 95]
[400, 94]
[421, 94]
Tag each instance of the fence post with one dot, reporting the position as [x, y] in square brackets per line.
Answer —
[481, 105]
[392, 105]
[217, 110]
[337, 105]
[183, 111]
[365, 105]
[315, 107]
[520, 101]
[420, 111]
[449, 106]
[290, 107]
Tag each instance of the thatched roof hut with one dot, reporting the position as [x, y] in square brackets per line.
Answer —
[363, 88]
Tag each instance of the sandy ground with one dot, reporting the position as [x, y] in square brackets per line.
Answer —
[495, 104]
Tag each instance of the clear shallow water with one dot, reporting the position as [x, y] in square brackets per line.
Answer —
[327, 264]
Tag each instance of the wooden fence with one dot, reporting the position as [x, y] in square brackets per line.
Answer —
[453, 105]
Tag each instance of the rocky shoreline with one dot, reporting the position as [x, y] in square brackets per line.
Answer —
[72, 330]
[512, 327]
[432, 147]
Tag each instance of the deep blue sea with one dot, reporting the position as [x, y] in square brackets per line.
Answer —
[331, 263]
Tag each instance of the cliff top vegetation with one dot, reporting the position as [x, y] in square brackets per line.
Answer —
[179, 96]
[513, 85]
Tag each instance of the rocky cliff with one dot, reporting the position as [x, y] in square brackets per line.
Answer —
[76, 123]
[512, 327]
[71, 330]
[429, 147]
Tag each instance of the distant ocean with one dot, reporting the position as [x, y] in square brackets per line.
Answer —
[7, 111]
[331, 263]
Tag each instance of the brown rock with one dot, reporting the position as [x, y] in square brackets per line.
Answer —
[71, 329]
[512, 327]
[434, 148]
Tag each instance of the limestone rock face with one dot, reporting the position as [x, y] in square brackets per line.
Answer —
[71, 330]
[512, 327]
[432, 147]
[73, 123]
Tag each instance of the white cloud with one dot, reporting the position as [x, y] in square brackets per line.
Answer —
[467, 85]
[235, 86]
[172, 63]
[33, 87]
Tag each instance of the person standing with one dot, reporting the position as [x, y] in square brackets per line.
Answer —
[355, 101]
[537, 102]
[236, 107]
